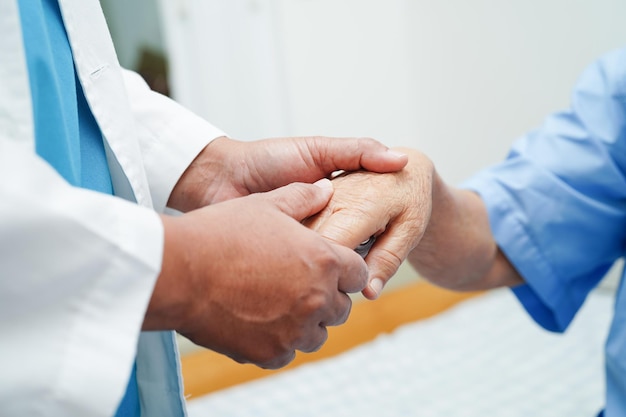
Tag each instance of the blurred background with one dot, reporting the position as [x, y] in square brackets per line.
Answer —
[459, 79]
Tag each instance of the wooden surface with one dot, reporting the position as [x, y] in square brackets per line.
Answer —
[205, 371]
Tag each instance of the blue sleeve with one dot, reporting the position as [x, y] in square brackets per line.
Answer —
[557, 204]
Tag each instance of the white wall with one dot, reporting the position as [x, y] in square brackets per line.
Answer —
[133, 25]
[487, 71]
[458, 79]
[226, 65]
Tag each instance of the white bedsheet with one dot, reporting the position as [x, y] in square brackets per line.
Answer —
[484, 357]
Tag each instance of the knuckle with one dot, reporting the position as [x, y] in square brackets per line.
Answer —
[313, 344]
[324, 260]
[341, 311]
[346, 311]
[367, 142]
[313, 303]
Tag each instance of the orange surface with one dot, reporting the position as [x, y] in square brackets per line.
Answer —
[205, 371]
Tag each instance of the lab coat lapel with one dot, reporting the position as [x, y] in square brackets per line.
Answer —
[97, 67]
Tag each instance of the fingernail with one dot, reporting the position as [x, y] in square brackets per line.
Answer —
[324, 183]
[376, 285]
[396, 153]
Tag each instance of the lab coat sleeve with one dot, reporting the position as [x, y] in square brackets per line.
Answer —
[77, 271]
[557, 204]
[170, 136]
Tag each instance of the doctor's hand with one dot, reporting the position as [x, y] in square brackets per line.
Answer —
[394, 207]
[227, 168]
[245, 278]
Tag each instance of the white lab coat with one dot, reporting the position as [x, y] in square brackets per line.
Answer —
[77, 268]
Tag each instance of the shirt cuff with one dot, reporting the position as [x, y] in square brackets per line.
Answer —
[170, 137]
[544, 296]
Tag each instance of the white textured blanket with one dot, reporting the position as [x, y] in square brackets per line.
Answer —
[484, 357]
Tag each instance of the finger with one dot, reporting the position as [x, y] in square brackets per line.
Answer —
[353, 271]
[384, 260]
[316, 338]
[299, 200]
[351, 154]
[341, 306]
[348, 228]
[335, 315]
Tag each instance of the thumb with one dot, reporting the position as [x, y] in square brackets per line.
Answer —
[300, 200]
[384, 260]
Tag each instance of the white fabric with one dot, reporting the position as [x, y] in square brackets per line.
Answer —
[483, 357]
[77, 268]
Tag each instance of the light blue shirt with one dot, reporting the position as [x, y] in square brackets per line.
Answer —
[66, 133]
[557, 208]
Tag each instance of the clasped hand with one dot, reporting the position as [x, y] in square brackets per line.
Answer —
[241, 275]
[395, 208]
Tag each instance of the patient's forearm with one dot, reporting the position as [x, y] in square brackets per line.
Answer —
[458, 250]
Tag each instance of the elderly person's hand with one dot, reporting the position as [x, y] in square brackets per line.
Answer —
[412, 213]
[394, 208]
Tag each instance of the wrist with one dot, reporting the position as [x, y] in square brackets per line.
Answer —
[200, 181]
[171, 302]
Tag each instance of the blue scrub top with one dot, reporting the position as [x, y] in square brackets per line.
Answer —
[66, 133]
[557, 208]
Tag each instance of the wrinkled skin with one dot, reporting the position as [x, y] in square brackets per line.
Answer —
[393, 207]
[443, 231]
